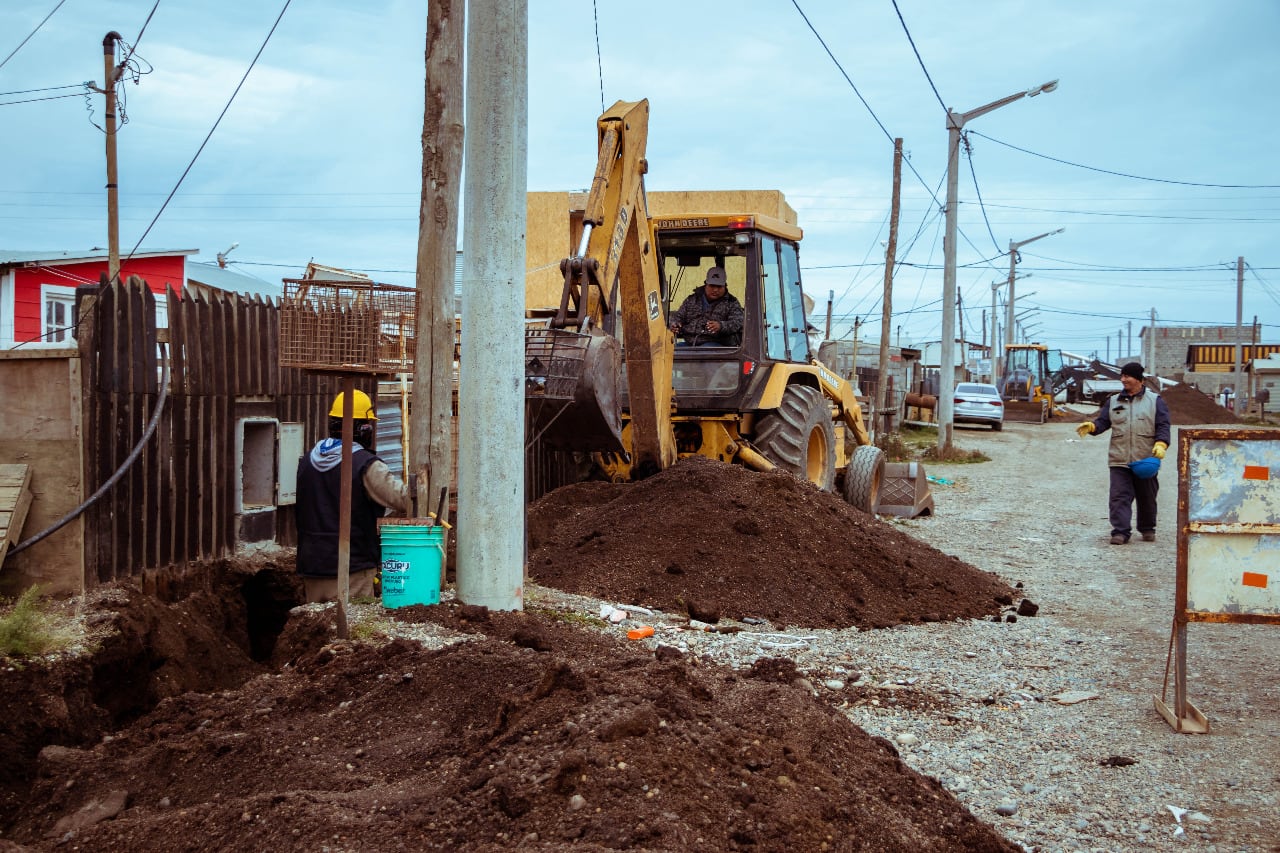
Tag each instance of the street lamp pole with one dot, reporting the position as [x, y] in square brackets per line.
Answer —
[947, 367]
[1013, 263]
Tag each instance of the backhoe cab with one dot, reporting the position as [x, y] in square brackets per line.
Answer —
[1032, 377]
[759, 398]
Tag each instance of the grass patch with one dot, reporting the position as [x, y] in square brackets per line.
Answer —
[954, 455]
[372, 629]
[907, 444]
[29, 628]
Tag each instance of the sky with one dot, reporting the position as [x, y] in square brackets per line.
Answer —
[1155, 152]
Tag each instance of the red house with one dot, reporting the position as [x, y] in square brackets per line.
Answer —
[37, 290]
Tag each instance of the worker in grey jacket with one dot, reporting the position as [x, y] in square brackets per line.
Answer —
[1139, 422]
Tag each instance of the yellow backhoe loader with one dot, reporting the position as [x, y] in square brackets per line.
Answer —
[761, 399]
[1033, 375]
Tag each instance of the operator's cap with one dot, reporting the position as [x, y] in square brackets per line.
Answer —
[1132, 369]
[716, 276]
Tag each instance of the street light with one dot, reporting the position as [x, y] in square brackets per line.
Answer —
[1013, 261]
[947, 369]
[995, 342]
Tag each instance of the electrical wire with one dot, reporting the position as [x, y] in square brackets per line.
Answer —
[32, 33]
[46, 98]
[1125, 174]
[218, 121]
[968, 155]
[915, 50]
[595, 14]
[124, 466]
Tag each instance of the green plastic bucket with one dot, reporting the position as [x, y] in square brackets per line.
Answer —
[412, 554]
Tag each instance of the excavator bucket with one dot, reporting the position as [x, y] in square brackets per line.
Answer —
[1026, 411]
[572, 382]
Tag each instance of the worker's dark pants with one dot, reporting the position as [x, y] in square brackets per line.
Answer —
[1126, 487]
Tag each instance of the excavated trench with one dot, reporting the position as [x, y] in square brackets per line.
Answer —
[201, 628]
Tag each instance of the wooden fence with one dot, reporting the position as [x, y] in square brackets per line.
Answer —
[177, 503]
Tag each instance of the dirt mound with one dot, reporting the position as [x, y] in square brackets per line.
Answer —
[1190, 406]
[706, 537]
[536, 735]
[187, 631]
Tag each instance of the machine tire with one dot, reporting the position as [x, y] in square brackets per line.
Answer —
[997, 426]
[864, 477]
[799, 436]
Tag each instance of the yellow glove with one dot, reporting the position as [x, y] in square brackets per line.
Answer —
[1084, 429]
[1158, 449]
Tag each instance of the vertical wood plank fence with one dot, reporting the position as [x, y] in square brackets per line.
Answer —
[177, 503]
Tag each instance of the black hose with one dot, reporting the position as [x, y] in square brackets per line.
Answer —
[124, 466]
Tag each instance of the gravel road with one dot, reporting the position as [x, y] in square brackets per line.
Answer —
[1037, 514]
[971, 702]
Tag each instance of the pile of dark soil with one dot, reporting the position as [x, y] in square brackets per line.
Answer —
[536, 735]
[718, 540]
[1189, 406]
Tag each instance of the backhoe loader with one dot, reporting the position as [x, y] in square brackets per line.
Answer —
[604, 373]
[1033, 376]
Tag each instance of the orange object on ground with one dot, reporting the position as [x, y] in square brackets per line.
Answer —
[640, 633]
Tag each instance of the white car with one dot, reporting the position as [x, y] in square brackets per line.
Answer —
[978, 403]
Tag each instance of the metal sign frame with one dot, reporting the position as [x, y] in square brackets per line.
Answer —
[1228, 486]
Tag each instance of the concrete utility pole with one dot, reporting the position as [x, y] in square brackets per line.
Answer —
[431, 416]
[110, 76]
[1151, 359]
[886, 308]
[1129, 339]
[947, 367]
[491, 392]
[1013, 266]
[1239, 331]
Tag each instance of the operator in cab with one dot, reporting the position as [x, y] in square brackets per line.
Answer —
[711, 315]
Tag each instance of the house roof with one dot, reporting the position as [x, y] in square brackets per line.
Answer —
[13, 258]
[212, 275]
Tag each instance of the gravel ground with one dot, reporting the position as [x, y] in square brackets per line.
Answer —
[972, 703]
[998, 711]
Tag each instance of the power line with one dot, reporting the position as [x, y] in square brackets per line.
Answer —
[968, 155]
[45, 89]
[218, 121]
[912, 42]
[595, 14]
[1126, 175]
[46, 98]
[32, 33]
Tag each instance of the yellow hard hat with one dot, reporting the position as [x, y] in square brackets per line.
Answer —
[362, 410]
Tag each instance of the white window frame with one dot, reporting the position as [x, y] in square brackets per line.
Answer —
[56, 293]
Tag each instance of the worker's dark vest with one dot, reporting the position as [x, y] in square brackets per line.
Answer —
[319, 493]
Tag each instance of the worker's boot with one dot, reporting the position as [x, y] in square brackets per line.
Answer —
[1120, 539]
[1148, 536]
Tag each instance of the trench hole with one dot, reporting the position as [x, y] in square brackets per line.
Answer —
[269, 595]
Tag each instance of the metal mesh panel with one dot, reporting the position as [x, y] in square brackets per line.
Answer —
[553, 363]
[346, 326]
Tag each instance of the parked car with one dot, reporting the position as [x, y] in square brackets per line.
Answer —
[978, 403]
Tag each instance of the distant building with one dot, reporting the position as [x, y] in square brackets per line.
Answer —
[1204, 356]
[37, 289]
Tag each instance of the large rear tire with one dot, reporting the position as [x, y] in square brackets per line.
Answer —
[864, 477]
[799, 437]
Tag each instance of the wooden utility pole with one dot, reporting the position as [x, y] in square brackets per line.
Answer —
[886, 309]
[831, 298]
[431, 415]
[111, 74]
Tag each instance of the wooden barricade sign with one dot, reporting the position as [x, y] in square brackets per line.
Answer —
[1228, 545]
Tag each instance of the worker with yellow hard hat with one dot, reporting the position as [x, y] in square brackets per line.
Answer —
[375, 490]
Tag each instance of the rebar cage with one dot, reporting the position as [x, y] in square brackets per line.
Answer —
[347, 326]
